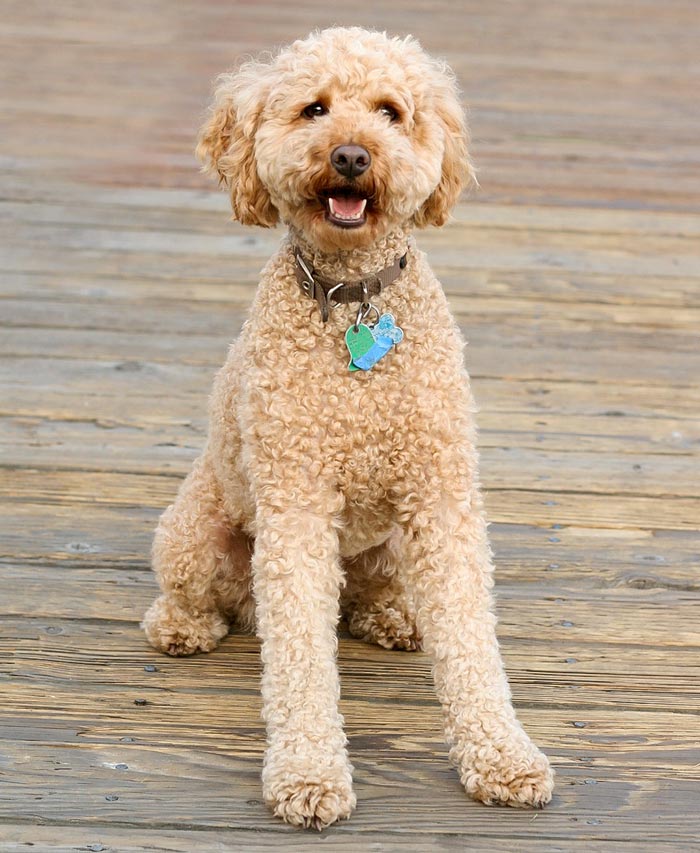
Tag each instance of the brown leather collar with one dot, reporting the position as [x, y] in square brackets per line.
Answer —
[327, 293]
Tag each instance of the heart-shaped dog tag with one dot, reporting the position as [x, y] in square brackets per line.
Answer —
[359, 340]
[367, 344]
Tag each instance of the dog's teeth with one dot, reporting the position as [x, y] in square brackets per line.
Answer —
[348, 214]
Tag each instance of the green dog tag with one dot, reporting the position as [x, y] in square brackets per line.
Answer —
[358, 342]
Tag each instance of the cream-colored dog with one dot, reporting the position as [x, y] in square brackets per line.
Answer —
[340, 473]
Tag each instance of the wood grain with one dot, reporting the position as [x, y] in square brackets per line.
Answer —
[574, 273]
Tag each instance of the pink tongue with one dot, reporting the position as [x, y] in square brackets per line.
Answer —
[348, 206]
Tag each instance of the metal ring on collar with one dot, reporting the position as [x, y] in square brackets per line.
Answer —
[363, 313]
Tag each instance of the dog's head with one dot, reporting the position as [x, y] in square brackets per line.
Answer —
[344, 135]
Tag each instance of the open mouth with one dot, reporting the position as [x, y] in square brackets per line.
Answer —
[345, 208]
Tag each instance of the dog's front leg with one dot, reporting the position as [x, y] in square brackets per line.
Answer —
[451, 578]
[297, 577]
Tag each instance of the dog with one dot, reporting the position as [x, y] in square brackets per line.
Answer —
[340, 471]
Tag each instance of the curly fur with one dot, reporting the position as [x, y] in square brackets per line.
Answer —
[322, 490]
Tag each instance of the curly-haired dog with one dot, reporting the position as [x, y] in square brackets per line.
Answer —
[340, 473]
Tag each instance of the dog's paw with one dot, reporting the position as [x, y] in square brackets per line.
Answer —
[517, 778]
[387, 627]
[173, 630]
[313, 803]
[307, 787]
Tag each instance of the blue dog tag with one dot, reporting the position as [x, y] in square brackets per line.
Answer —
[385, 333]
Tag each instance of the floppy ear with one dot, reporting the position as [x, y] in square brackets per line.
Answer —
[226, 143]
[457, 169]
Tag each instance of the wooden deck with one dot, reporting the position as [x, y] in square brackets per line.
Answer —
[575, 272]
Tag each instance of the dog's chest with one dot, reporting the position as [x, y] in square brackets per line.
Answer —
[372, 428]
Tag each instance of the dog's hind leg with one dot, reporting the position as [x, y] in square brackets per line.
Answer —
[203, 567]
[375, 601]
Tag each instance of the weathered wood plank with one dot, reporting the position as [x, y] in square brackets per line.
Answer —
[622, 554]
[513, 468]
[673, 328]
[72, 387]
[185, 422]
[194, 789]
[17, 836]
[605, 676]
[84, 536]
[64, 204]
[556, 609]
[618, 252]
[486, 355]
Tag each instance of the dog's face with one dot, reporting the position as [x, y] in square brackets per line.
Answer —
[344, 135]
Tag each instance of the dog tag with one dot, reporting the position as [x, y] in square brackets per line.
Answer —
[358, 341]
[386, 328]
[367, 345]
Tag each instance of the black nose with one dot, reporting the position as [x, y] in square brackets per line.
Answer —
[350, 160]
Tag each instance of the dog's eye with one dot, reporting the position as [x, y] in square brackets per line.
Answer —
[314, 110]
[388, 111]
